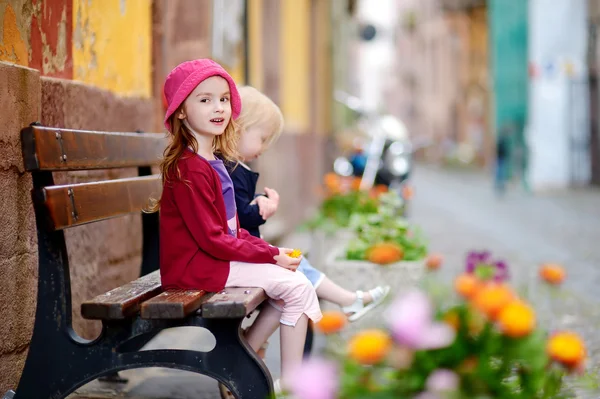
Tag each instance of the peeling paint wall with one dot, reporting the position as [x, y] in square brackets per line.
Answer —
[51, 31]
[112, 45]
[104, 43]
[37, 34]
[14, 33]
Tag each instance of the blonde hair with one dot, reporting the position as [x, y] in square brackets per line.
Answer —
[258, 109]
[225, 145]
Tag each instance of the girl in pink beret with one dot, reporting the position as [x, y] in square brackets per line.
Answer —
[201, 243]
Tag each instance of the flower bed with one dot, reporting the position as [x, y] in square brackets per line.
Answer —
[362, 274]
[477, 339]
[330, 226]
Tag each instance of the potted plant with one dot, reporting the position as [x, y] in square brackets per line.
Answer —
[330, 227]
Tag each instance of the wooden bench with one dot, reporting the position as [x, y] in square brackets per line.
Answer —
[59, 361]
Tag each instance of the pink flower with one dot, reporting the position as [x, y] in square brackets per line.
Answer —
[442, 380]
[410, 318]
[315, 378]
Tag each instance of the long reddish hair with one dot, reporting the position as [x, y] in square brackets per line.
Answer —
[225, 145]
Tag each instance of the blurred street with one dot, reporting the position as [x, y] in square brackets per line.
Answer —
[459, 211]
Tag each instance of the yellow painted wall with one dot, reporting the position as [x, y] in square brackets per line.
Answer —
[295, 64]
[236, 68]
[112, 45]
[323, 65]
[14, 46]
[255, 31]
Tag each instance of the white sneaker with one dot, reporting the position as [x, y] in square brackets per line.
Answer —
[358, 309]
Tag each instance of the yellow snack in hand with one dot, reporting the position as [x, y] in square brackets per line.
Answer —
[295, 253]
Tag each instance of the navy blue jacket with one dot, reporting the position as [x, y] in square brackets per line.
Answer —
[244, 185]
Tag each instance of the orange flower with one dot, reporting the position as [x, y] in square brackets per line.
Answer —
[380, 188]
[331, 179]
[355, 185]
[517, 319]
[407, 192]
[434, 261]
[385, 253]
[295, 253]
[467, 285]
[331, 322]
[377, 190]
[332, 183]
[369, 346]
[567, 348]
[492, 298]
[552, 273]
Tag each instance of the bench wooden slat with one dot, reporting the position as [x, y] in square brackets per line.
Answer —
[233, 303]
[77, 204]
[51, 149]
[174, 304]
[124, 301]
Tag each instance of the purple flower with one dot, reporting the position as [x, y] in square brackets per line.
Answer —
[475, 258]
[501, 271]
[315, 378]
[442, 380]
[411, 322]
[483, 266]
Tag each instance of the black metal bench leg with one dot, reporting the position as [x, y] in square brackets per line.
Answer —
[55, 370]
[235, 364]
[130, 346]
[308, 344]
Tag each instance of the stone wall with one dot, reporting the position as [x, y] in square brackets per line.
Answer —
[103, 255]
[20, 104]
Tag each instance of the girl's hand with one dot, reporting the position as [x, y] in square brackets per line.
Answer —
[266, 207]
[283, 260]
[273, 196]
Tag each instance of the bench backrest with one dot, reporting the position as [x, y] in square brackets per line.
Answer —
[48, 150]
[58, 207]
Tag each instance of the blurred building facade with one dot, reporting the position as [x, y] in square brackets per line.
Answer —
[100, 65]
[594, 74]
[443, 77]
[558, 134]
[467, 69]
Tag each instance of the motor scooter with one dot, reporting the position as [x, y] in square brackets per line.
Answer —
[388, 156]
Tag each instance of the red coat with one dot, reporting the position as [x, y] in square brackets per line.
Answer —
[195, 247]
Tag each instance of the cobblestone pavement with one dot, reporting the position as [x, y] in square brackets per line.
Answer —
[458, 211]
